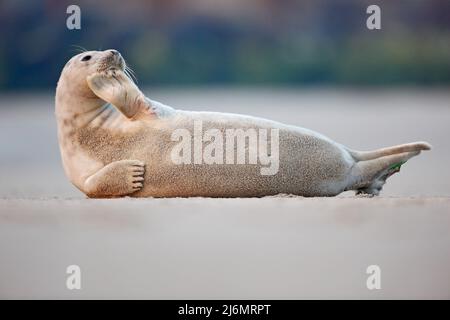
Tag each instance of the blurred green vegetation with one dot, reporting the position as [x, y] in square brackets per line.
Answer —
[176, 42]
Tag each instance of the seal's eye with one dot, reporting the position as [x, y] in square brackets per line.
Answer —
[86, 58]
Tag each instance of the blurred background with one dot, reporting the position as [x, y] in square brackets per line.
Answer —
[309, 63]
[277, 42]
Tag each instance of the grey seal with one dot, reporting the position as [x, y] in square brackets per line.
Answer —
[115, 142]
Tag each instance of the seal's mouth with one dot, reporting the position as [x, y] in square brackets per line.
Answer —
[112, 61]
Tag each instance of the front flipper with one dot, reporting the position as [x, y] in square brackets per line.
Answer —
[115, 87]
[119, 178]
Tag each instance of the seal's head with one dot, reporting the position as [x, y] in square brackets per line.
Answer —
[96, 61]
[79, 67]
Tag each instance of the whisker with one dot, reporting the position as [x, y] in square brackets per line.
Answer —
[77, 48]
[133, 78]
[133, 75]
[131, 72]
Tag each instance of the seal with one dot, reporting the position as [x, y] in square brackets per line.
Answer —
[115, 142]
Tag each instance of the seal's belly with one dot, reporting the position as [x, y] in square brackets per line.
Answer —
[228, 159]
[306, 166]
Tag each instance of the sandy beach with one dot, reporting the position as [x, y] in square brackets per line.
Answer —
[271, 248]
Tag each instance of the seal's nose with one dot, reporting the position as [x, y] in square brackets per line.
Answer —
[114, 52]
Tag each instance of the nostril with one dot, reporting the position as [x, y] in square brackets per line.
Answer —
[114, 52]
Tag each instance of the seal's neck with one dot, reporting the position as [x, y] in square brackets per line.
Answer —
[105, 116]
[81, 114]
[75, 99]
[77, 105]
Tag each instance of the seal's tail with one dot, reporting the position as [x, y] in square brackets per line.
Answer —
[372, 168]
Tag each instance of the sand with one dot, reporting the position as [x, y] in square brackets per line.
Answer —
[276, 247]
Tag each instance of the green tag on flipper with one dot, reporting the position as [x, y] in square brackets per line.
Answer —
[396, 166]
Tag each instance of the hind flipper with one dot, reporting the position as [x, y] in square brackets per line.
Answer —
[370, 176]
[402, 148]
